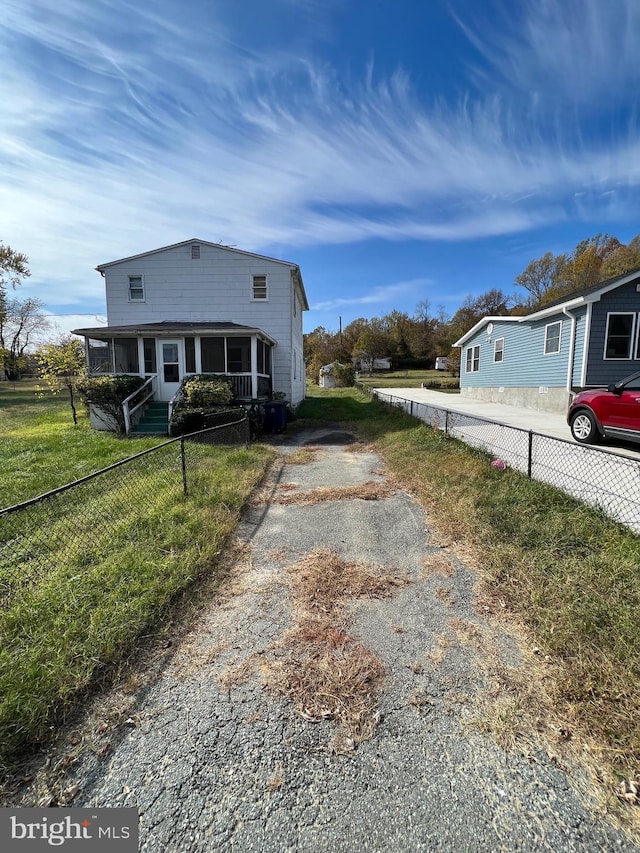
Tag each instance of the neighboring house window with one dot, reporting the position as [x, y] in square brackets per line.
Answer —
[259, 287]
[136, 288]
[473, 359]
[195, 252]
[498, 350]
[620, 328]
[552, 338]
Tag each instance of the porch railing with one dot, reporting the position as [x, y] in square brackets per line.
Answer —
[144, 393]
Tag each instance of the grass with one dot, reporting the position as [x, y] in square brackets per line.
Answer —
[36, 428]
[564, 570]
[412, 379]
[132, 555]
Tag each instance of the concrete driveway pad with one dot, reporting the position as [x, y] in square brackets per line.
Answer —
[219, 761]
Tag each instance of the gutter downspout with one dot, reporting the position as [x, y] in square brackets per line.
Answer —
[572, 352]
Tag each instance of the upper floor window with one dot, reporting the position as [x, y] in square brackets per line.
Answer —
[498, 350]
[136, 288]
[259, 287]
[473, 359]
[552, 332]
[619, 336]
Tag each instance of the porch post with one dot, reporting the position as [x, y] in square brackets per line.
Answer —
[141, 356]
[254, 367]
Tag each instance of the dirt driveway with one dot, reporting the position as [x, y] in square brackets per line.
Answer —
[341, 694]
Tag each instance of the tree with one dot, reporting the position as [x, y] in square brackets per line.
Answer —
[20, 321]
[62, 365]
[593, 260]
[13, 268]
[322, 347]
[373, 342]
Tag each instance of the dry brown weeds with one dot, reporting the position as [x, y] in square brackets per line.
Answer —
[328, 674]
[369, 491]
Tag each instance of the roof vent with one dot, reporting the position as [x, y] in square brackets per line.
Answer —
[195, 252]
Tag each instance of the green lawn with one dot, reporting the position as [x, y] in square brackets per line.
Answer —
[85, 574]
[411, 379]
[41, 448]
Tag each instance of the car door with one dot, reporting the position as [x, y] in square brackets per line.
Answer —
[623, 412]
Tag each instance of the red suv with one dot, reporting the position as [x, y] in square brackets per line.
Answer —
[613, 412]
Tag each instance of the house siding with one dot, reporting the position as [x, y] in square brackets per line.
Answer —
[601, 372]
[217, 287]
[524, 362]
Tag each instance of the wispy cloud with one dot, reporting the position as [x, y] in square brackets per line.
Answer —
[376, 296]
[109, 149]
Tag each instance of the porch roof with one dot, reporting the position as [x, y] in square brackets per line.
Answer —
[172, 328]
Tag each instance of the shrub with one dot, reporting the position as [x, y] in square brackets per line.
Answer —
[108, 393]
[344, 375]
[206, 389]
[185, 420]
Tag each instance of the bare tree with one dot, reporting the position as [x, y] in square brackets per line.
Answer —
[20, 322]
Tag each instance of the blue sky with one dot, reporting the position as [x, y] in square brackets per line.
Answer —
[397, 150]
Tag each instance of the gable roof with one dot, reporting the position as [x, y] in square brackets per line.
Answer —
[485, 322]
[292, 266]
[572, 300]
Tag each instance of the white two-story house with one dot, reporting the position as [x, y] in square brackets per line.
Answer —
[200, 307]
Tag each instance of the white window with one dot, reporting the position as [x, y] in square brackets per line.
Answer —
[473, 359]
[552, 334]
[195, 251]
[136, 288]
[259, 287]
[619, 336]
[498, 350]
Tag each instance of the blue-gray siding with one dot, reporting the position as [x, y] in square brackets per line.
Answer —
[601, 371]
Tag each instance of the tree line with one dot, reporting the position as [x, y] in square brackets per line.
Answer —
[417, 340]
[414, 340]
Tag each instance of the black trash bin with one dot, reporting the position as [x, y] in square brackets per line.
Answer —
[275, 416]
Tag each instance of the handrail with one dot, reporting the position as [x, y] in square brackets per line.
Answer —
[125, 403]
[173, 402]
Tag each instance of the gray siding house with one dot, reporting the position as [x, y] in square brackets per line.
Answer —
[540, 360]
[200, 307]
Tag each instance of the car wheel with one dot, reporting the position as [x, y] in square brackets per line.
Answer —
[584, 428]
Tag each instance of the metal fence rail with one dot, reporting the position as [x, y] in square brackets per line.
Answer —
[600, 479]
[72, 525]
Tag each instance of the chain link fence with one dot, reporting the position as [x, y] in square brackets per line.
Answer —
[598, 478]
[72, 525]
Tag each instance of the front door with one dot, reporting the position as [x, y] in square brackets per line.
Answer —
[171, 367]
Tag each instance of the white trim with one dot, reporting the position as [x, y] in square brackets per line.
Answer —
[469, 351]
[254, 276]
[142, 287]
[483, 322]
[632, 337]
[546, 337]
[587, 335]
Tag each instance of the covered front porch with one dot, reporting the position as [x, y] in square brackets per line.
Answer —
[169, 351]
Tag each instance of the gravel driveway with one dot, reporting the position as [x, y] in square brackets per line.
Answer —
[216, 760]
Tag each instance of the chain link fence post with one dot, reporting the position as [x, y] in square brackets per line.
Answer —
[183, 464]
